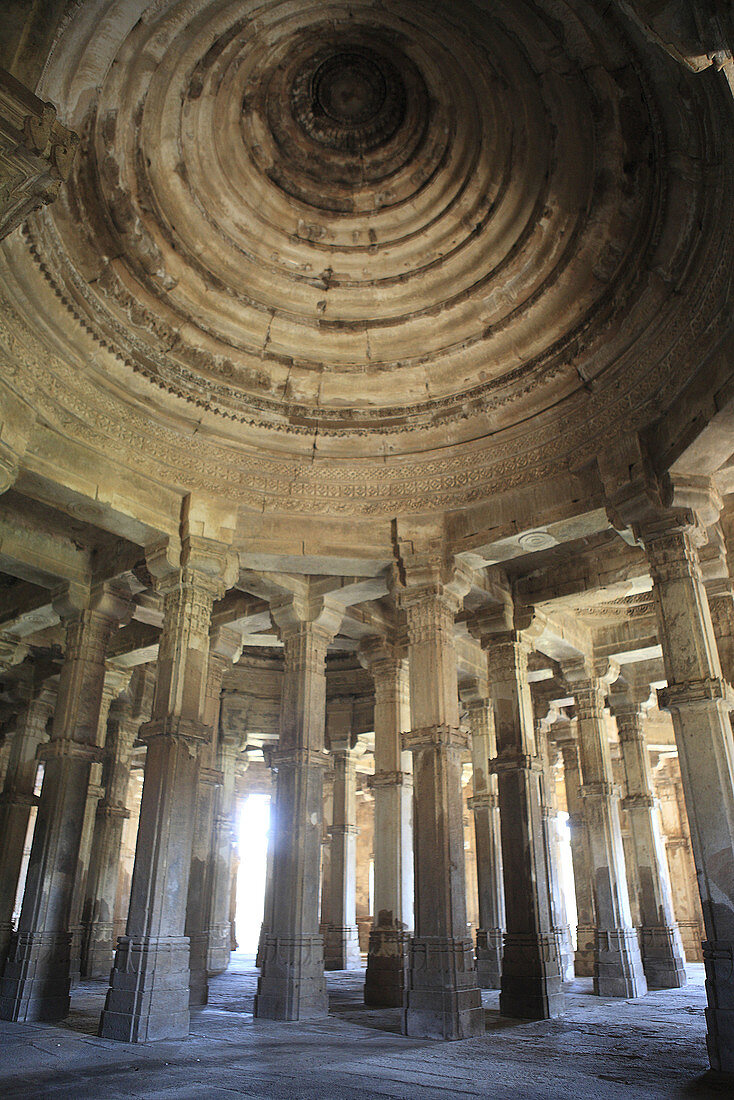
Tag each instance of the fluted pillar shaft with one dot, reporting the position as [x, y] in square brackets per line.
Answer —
[699, 700]
[17, 801]
[662, 950]
[531, 967]
[484, 805]
[580, 854]
[148, 996]
[392, 786]
[36, 981]
[618, 970]
[291, 984]
[443, 999]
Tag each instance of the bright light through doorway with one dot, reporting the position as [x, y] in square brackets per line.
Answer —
[252, 841]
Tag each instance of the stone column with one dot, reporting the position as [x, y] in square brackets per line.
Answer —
[17, 801]
[443, 999]
[341, 940]
[662, 950]
[552, 841]
[36, 983]
[618, 968]
[699, 701]
[392, 786]
[220, 948]
[268, 894]
[531, 968]
[98, 945]
[484, 805]
[291, 984]
[225, 646]
[148, 996]
[565, 734]
[326, 841]
[681, 868]
[115, 682]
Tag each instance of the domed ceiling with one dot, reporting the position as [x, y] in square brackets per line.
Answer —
[382, 255]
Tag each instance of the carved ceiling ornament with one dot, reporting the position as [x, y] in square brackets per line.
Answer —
[382, 261]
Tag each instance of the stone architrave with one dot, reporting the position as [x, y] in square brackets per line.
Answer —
[392, 785]
[18, 799]
[618, 970]
[531, 983]
[660, 943]
[291, 984]
[98, 944]
[564, 732]
[443, 999]
[484, 805]
[552, 841]
[699, 701]
[341, 939]
[36, 983]
[148, 996]
[225, 646]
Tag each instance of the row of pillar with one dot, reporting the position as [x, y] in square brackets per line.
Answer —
[150, 987]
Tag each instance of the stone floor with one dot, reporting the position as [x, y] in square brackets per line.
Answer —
[604, 1049]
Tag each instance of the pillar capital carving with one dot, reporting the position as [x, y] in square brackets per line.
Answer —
[439, 736]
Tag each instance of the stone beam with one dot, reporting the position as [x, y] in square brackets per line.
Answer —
[38, 556]
[599, 575]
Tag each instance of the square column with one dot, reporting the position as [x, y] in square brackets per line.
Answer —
[531, 969]
[291, 984]
[36, 981]
[98, 945]
[225, 646]
[484, 805]
[148, 996]
[443, 999]
[17, 801]
[341, 939]
[618, 970]
[219, 946]
[392, 785]
[668, 789]
[662, 950]
[564, 732]
[552, 841]
[699, 701]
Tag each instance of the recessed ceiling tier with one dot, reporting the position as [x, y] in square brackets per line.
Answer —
[433, 222]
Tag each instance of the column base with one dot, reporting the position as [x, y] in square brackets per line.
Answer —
[219, 951]
[148, 998]
[198, 983]
[531, 987]
[7, 929]
[662, 958]
[691, 935]
[75, 956]
[99, 951]
[618, 970]
[291, 984]
[341, 948]
[489, 957]
[718, 958]
[443, 999]
[386, 981]
[583, 960]
[35, 983]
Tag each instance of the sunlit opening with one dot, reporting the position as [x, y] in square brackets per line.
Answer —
[252, 843]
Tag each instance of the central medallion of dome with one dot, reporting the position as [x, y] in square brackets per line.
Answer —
[349, 88]
[351, 100]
